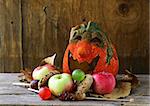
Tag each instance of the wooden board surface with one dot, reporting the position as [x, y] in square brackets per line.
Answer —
[33, 29]
[10, 36]
[15, 95]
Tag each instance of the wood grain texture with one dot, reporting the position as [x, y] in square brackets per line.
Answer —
[127, 24]
[46, 26]
[15, 95]
[10, 36]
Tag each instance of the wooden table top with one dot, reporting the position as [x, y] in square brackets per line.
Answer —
[15, 95]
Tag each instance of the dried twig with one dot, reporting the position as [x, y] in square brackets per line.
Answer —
[105, 99]
[27, 85]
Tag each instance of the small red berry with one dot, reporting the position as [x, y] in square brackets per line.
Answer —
[45, 93]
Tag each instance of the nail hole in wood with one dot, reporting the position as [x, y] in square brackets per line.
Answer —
[11, 22]
[124, 9]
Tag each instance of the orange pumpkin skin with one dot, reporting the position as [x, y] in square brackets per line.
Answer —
[83, 51]
[91, 52]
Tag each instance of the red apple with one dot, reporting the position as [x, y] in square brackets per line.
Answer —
[50, 67]
[41, 71]
[104, 82]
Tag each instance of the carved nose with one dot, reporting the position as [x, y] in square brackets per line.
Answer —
[81, 52]
[84, 49]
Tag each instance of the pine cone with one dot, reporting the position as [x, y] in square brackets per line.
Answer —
[66, 96]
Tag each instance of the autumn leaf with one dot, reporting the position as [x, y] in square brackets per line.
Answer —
[26, 75]
[48, 60]
[129, 77]
[122, 90]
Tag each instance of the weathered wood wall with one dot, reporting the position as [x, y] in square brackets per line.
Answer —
[10, 36]
[33, 29]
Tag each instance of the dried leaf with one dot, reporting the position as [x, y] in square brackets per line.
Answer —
[129, 77]
[48, 60]
[122, 90]
[26, 75]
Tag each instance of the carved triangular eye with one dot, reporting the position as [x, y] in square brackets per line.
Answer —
[78, 37]
[96, 41]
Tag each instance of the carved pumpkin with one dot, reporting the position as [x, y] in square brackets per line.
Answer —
[90, 50]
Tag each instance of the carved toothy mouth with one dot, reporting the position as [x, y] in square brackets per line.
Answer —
[85, 66]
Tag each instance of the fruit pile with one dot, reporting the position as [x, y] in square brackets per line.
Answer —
[48, 81]
[90, 66]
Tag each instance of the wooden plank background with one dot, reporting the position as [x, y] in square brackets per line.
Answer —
[33, 29]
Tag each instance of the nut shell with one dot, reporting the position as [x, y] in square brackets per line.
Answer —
[83, 87]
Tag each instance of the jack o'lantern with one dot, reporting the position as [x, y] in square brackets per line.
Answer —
[90, 50]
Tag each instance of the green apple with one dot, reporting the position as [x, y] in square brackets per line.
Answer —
[60, 83]
[41, 71]
[78, 75]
